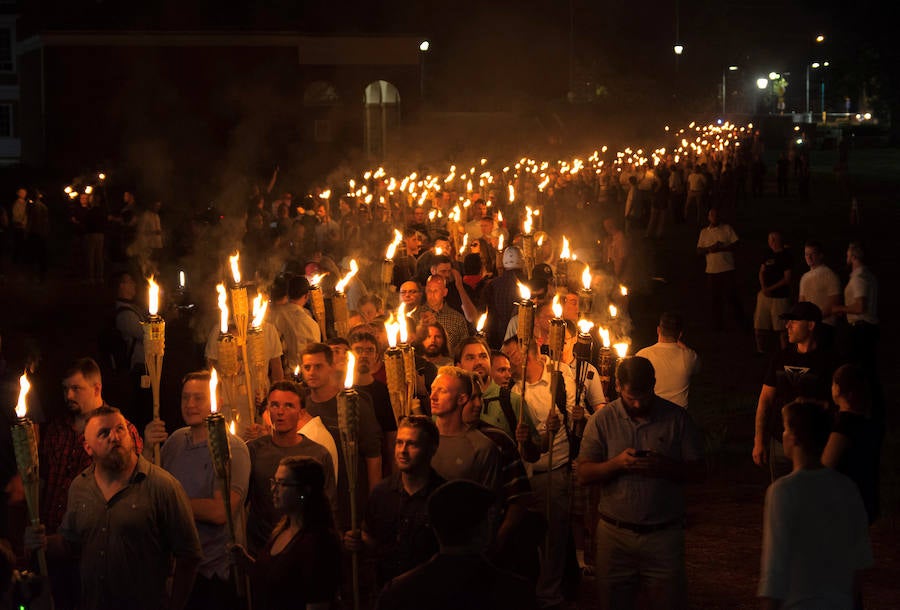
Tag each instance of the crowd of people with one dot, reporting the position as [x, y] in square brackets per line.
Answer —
[524, 465]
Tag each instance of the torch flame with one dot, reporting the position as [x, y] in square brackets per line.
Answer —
[623, 290]
[604, 336]
[500, 242]
[231, 428]
[401, 320]
[465, 244]
[24, 386]
[223, 308]
[235, 269]
[297, 371]
[213, 384]
[556, 307]
[499, 217]
[354, 268]
[314, 280]
[586, 278]
[479, 326]
[392, 328]
[391, 249]
[540, 241]
[613, 311]
[260, 304]
[512, 193]
[351, 369]
[438, 250]
[153, 300]
[325, 194]
[181, 279]
[524, 291]
[621, 349]
[585, 326]
[565, 253]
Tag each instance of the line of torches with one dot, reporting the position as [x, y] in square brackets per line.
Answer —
[400, 366]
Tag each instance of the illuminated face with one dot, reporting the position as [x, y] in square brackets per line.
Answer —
[443, 270]
[410, 293]
[410, 451]
[501, 372]
[317, 372]
[195, 402]
[812, 256]
[637, 403]
[82, 396]
[799, 331]
[475, 359]
[339, 355]
[286, 493]
[446, 395]
[570, 307]
[435, 292]
[368, 312]
[433, 342]
[366, 356]
[516, 361]
[284, 411]
[419, 214]
[108, 442]
[542, 321]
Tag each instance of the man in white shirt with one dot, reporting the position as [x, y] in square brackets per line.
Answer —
[717, 242]
[821, 285]
[673, 361]
[861, 308]
[815, 530]
[551, 476]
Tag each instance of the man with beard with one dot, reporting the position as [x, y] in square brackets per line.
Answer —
[432, 344]
[640, 449]
[396, 527]
[368, 360]
[62, 450]
[285, 408]
[437, 310]
[126, 521]
[501, 408]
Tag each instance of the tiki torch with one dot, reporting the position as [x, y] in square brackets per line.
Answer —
[556, 342]
[528, 243]
[256, 349]
[26, 450]
[500, 255]
[348, 423]
[240, 313]
[154, 349]
[387, 265]
[525, 333]
[582, 351]
[409, 361]
[227, 353]
[562, 264]
[318, 301]
[339, 302]
[393, 368]
[607, 362]
[585, 294]
[220, 450]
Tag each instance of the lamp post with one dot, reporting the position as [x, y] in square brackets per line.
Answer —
[724, 85]
[815, 66]
[423, 48]
[819, 40]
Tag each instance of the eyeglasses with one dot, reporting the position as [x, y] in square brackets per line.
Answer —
[405, 292]
[273, 483]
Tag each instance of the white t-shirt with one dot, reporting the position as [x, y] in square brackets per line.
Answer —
[815, 538]
[316, 431]
[539, 403]
[862, 284]
[818, 286]
[718, 262]
[674, 364]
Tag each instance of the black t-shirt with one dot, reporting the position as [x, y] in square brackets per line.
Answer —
[381, 402]
[797, 375]
[776, 263]
[860, 459]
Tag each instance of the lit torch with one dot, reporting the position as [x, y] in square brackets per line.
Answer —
[409, 361]
[585, 294]
[317, 298]
[387, 265]
[562, 265]
[256, 349]
[394, 370]
[154, 349]
[339, 302]
[525, 333]
[25, 448]
[479, 326]
[227, 351]
[348, 423]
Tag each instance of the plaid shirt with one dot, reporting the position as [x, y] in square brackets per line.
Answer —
[62, 458]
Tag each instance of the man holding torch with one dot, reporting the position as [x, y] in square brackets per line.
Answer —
[126, 520]
[185, 455]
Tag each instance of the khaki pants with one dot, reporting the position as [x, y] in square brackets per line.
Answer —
[628, 562]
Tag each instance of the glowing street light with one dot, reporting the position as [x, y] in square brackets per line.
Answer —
[679, 49]
[762, 82]
[424, 46]
[774, 76]
[820, 38]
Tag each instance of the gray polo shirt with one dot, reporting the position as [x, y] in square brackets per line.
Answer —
[191, 464]
[636, 498]
[471, 456]
[127, 543]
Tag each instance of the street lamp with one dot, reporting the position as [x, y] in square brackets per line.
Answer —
[815, 66]
[724, 87]
[774, 76]
[679, 49]
[423, 48]
[820, 38]
[762, 82]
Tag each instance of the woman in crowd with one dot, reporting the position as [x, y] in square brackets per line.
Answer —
[300, 567]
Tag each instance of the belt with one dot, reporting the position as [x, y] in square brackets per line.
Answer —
[640, 528]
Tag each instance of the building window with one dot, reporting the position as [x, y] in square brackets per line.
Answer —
[7, 55]
[6, 121]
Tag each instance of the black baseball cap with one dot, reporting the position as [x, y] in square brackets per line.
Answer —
[803, 310]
